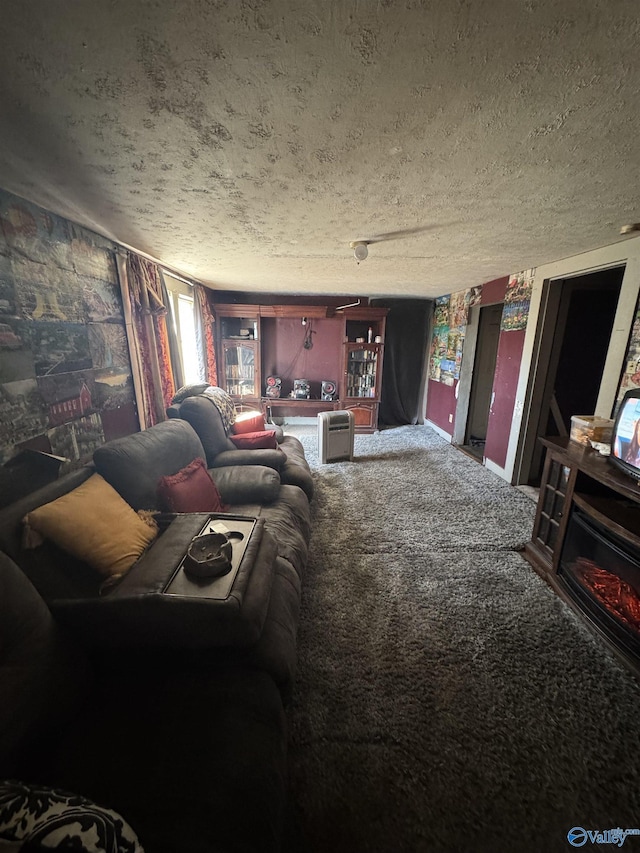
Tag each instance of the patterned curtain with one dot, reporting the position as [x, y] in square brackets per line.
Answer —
[204, 321]
[151, 338]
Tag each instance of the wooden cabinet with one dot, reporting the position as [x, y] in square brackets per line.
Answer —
[586, 542]
[349, 343]
[575, 475]
[363, 352]
[241, 371]
[239, 353]
[556, 491]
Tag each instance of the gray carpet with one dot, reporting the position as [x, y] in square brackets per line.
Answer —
[446, 699]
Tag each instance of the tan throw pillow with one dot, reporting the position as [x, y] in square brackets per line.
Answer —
[96, 525]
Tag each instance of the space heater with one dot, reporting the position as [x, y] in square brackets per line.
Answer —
[335, 436]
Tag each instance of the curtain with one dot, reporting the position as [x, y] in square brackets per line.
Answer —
[204, 320]
[150, 338]
[404, 357]
[174, 346]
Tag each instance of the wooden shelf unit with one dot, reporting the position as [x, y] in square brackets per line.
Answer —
[574, 474]
[357, 365]
[577, 477]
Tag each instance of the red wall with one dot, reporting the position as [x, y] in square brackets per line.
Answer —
[505, 383]
[494, 291]
[283, 353]
[441, 402]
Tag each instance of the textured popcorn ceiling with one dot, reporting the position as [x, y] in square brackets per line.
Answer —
[246, 143]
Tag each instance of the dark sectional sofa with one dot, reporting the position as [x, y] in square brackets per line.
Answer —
[168, 709]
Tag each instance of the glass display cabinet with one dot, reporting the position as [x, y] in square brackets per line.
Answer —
[361, 390]
[239, 354]
[362, 369]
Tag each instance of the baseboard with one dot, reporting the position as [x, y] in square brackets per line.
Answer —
[439, 430]
[496, 469]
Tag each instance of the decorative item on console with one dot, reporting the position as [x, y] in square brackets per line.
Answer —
[301, 389]
[273, 386]
[329, 390]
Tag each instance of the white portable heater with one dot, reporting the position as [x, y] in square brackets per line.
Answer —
[335, 436]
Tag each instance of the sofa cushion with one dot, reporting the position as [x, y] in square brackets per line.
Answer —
[296, 471]
[288, 519]
[190, 490]
[262, 440]
[134, 464]
[96, 525]
[50, 819]
[248, 422]
[244, 484]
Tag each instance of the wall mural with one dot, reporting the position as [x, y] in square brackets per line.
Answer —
[447, 341]
[65, 375]
[517, 300]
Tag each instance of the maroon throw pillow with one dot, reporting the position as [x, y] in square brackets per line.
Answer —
[263, 440]
[249, 422]
[190, 490]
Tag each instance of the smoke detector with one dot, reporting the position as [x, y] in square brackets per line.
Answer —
[360, 250]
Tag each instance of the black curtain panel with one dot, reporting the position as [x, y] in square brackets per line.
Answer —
[404, 354]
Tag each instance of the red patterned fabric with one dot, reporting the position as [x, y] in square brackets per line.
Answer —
[151, 337]
[264, 440]
[190, 490]
[208, 320]
[164, 359]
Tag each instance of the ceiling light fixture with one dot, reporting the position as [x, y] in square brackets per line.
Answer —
[631, 228]
[360, 249]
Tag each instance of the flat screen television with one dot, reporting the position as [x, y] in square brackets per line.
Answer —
[625, 438]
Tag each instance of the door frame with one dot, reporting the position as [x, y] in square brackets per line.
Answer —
[463, 386]
[465, 382]
[542, 347]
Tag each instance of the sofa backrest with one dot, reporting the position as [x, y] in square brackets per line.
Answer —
[201, 412]
[134, 464]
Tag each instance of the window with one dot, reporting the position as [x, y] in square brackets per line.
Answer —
[182, 315]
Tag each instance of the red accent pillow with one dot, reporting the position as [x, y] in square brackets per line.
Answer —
[263, 440]
[190, 490]
[249, 422]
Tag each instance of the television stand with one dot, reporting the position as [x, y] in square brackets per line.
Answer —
[575, 474]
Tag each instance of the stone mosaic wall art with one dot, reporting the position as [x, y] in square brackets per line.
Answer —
[65, 375]
[449, 328]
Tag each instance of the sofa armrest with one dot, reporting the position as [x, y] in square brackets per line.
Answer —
[271, 458]
[246, 484]
[138, 613]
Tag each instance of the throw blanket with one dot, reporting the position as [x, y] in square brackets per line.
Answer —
[224, 404]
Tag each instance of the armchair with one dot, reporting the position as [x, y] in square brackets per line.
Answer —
[288, 459]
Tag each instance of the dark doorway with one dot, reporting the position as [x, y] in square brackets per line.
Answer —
[584, 309]
[484, 367]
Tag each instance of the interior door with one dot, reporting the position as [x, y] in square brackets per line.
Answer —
[483, 370]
